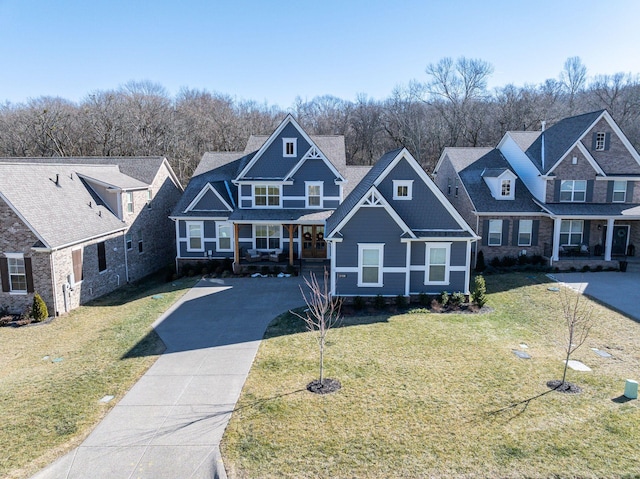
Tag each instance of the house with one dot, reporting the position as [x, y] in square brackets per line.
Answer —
[567, 192]
[292, 196]
[396, 234]
[73, 229]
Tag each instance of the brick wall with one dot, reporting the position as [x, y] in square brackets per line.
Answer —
[545, 232]
[461, 201]
[617, 159]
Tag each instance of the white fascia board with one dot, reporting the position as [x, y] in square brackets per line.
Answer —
[84, 240]
[618, 178]
[625, 141]
[510, 213]
[323, 157]
[204, 191]
[199, 218]
[258, 181]
[427, 181]
[440, 160]
[172, 175]
[586, 154]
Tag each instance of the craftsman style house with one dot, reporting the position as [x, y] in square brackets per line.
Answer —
[566, 193]
[276, 200]
[73, 229]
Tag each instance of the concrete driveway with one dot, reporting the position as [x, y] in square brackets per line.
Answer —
[169, 425]
[619, 290]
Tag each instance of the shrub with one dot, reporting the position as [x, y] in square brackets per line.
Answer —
[277, 270]
[423, 299]
[599, 267]
[290, 269]
[419, 311]
[39, 309]
[358, 303]
[436, 307]
[480, 264]
[537, 259]
[586, 268]
[479, 291]
[523, 259]
[265, 270]
[379, 302]
[401, 301]
[495, 262]
[456, 299]
[227, 265]
[508, 261]
[444, 298]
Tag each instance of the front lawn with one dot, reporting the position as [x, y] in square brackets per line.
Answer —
[54, 375]
[424, 395]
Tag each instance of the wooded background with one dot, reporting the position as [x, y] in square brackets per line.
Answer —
[451, 107]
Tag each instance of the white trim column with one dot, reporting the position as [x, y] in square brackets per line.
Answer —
[608, 243]
[556, 238]
[467, 272]
[407, 278]
[333, 266]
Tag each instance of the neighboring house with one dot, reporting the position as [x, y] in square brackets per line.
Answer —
[572, 187]
[73, 229]
[396, 234]
[274, 201]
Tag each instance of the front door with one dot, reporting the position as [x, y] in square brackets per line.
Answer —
[313, 243]
[620, 239]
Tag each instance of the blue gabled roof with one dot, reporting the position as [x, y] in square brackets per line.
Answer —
[559, 138]
[360, 190]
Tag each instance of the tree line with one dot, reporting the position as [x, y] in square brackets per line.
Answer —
[451, 107]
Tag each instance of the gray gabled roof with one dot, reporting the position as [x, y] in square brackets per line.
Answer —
[470, 163]
[599, 210]
[62, 213]
[143, 168]
[559, 138]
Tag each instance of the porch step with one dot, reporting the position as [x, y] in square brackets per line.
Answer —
[315, 266]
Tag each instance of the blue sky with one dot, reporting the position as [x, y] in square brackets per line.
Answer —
[274, 51]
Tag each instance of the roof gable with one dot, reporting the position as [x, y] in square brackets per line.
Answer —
[208, 200]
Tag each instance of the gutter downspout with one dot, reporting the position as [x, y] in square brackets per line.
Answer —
[544, 123]
[53, 283]
[126, 259]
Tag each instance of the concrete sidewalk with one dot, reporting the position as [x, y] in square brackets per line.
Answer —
[618, 290]
[169, 425]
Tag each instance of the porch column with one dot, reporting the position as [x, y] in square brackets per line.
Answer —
[556, 239]
[236, 244]
[608, 242]
[291, 245]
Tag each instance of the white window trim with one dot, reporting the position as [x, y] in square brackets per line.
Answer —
[189, 248]
[149, 197]
[623, 191]
[572, 232]
[141, 242]
[307, 184]
[447, 261]
[128, 196]
[16, 256]
[267, 186]
[128, 241]
[509, 186]
[368, 246]
[399, 183]
[285, 141]
[489, 243]
[279, 236]
[574, 191]
[601, 138]
[218, 226]
[520, 232]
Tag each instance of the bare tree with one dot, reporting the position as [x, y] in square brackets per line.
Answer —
[321, 314]
[573, 78]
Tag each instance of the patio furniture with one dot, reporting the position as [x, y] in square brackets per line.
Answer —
[252, 255]
[276, 256]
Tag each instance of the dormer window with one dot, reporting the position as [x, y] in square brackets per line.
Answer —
[289, 147]
[402, 189]
[600, 141]
[506, 188]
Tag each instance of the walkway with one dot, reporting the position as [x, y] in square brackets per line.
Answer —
[169, 425]
[619, 290]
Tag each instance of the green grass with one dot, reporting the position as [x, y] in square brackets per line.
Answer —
[424, 395]
[46, 406]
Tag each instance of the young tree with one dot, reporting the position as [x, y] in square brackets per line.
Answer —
[321, 314]
[577, 314]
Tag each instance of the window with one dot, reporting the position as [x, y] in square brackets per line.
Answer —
[289, 147]
[129, 201]
[194, 236]
[437, 263]
[76, 259]
[571, 232]
[149, 197]
[370, 264]
[573, 190]
[314, 194]
[129, 240]
[600, 141]
[456, 187]
[402, 189]
[102, 257]
[449, 186]
[619, 191]
[495, 233]
[525, 229]
[17, 273]
[140, 246]
[506, 188]
[266, 195]
[224, 236]
[267, 236]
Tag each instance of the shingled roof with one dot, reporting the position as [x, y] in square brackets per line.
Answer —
[55, 203]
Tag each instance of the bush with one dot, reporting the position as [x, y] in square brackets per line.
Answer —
[401, 301]
[586, 268]
[423, 299]
[290, 269]
[379, 302]
[479, 291]
[523, 259]
[509, 261]
[444, 298]
[39, 309]
[480, 264]
[436, 307]
[537, 259]
[599, 268]
[358, 303]
[495, 262]
[456, 299]
[265, 270]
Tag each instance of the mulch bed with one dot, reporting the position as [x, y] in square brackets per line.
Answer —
[564, 387]
[327, 386]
